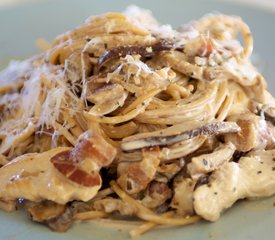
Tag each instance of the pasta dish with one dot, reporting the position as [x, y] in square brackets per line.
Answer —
[123, 116]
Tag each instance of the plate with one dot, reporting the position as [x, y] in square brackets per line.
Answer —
[21, 25]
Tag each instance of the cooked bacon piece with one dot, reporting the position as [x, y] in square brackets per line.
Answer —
[82, 163]
[92, 146]
[70, 170]
[138, 175]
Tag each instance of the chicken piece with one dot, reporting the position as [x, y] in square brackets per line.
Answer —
[253, 176]
[254, 133]
[33, 177]
[60, 175]
[182, 200]
[138, 175]
[157, 193]
[110, 205]
[206, 163]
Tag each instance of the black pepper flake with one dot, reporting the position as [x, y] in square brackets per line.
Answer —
[273, 159]
[205, 162]
[261, 162]
[215, 193]
[273, 169]
[259, 172]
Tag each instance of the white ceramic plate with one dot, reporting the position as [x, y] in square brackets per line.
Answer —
[21, 25]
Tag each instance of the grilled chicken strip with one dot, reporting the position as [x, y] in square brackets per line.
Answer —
[252, 176]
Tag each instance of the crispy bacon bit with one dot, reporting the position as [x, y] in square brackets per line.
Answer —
[90, 151]
[94, 146]
[122, 51]
[71, 171]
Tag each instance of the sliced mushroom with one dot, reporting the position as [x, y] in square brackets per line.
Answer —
[206, 163]
[123, 51]
[138, 142]
[62, 222]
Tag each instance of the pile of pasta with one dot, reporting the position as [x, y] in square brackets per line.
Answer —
[124, 116]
